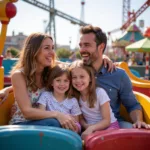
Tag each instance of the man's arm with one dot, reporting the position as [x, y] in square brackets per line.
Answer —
[130, 102]
[108, 62]
[137, 117]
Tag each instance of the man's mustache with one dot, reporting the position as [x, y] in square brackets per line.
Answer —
[85, 53]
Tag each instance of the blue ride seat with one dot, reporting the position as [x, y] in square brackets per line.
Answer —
[136, 73]
[17, 137]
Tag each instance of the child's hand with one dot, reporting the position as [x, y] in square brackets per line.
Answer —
[87, 132]
[78, 128]
[66, 121]
[86, 126]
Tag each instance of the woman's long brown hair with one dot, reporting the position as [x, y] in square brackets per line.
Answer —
[27, 59]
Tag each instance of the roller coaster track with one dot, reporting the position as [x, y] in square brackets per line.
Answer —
[56, 12]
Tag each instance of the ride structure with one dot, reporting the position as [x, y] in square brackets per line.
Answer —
[139, 85]
[45, 138]
[132, 35]
[132, 16]
[82, 10]
[125, 10]
[52, 13]
[7, 11]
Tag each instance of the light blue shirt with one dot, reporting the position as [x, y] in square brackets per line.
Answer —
[67, 106]
[119, 88]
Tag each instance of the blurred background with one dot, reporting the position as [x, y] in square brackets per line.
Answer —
[124, 22]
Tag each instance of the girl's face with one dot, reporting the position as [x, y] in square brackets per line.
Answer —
[46, 54]
[80, 79]
[61, 84]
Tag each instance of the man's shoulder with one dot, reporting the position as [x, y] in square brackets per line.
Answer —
[119, 71]
[116, 76]
[121, 74]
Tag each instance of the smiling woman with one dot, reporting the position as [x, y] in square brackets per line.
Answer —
[32, 70]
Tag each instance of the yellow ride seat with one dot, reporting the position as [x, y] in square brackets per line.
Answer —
[5, 108]
[145, 103]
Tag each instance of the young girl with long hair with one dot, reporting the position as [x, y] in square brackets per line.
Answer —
[55, 98]
[93, 101]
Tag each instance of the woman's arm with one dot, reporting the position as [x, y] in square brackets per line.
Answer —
[21, 96]
[30, 113]
[5, 92]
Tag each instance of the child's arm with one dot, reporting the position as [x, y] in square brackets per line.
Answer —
[103, 124]
[76, 118]
[78, 126]
[83, 122]
[75, 111]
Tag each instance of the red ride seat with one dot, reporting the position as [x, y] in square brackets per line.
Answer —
[122, 139]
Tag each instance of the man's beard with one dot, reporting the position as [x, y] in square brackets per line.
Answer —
[87, 62]
[91, 58]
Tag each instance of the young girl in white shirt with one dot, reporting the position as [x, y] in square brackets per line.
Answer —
[93, 101]
[56, 96]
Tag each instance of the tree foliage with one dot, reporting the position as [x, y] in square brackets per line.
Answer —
[14, 52]
[78, 55]
[63, 53]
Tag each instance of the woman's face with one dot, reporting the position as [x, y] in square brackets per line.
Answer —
[46, 54]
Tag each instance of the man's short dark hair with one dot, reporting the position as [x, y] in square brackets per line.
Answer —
[100, 36]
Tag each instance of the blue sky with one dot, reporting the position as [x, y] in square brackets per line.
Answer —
[104, 13]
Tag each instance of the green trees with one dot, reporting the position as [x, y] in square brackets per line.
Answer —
[63, 53]
[12, 52]
[78, 54]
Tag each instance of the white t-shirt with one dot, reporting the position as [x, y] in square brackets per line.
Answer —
[67, 106]
[93, 115]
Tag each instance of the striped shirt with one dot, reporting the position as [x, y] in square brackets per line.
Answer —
[67, 106]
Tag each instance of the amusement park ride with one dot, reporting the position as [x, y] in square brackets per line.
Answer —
[32, 137]
[54, 12]
[7, 11]
[132, 16]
